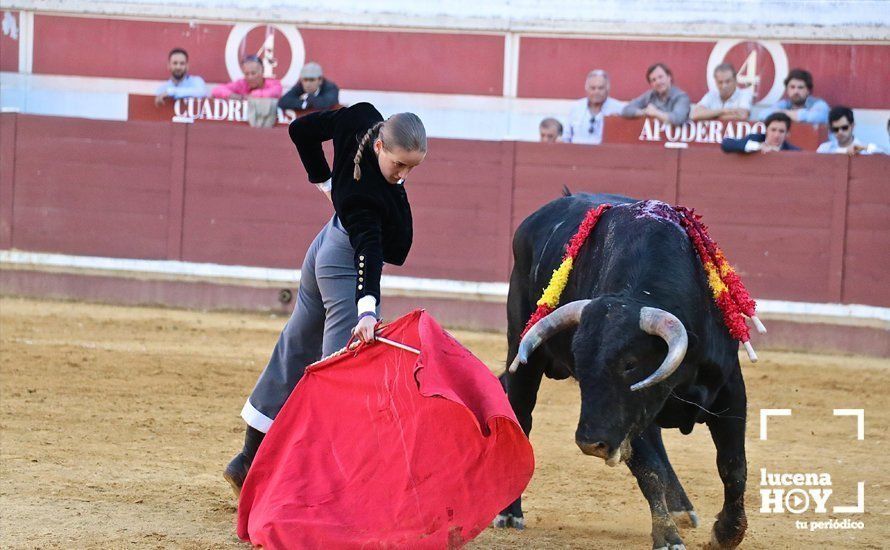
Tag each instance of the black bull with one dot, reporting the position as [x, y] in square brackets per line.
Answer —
[637, 306]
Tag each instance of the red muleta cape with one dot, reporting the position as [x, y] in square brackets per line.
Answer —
[382, 448]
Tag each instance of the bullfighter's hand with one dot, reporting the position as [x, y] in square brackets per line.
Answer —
[364, 329]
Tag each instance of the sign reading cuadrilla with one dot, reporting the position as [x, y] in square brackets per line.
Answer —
[219, 110]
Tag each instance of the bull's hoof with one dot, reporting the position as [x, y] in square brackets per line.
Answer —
[665, 535]
[726, 534]
[503, 521]
[686, 518]
[715, 544]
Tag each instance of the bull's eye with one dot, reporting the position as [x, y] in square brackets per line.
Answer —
[629, 366]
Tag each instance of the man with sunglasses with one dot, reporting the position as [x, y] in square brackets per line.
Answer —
[840, 123]
[586, 118]
[312, 92]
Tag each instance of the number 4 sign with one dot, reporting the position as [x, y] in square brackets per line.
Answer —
[747, 73]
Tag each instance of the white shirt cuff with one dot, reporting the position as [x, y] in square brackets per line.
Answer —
[753, 146]
[324, 186]
[366, 304]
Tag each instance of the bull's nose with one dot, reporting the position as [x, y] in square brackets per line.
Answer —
[598, 449]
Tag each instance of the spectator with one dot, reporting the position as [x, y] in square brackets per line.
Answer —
[181, 84]
[840, 123]
[313, 91]
[800, 105]
[261, 93]
[252, 85]
[664, 101]
[550, 130]
[727, 102]
[778, 127]
[586, 117]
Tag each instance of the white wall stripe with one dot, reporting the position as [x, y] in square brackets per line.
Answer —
[26, 42]
[511, 65]
[261, 276]
[392, 284]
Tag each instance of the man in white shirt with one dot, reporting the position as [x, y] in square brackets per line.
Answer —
[840, 123]
[727, 102]
[586, 118]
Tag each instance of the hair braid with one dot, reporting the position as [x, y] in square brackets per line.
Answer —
[372, 131]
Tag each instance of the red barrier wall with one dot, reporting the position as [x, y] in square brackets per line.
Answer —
[867, 246]
[835, 67]
[798, 226]
[7, 176]
[91, 187]
[460, 201]
[9, 48]
[126, 48]
[60, 43]
[246, 199]
[779, 218]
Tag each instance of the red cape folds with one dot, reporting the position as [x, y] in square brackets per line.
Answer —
[382, 448]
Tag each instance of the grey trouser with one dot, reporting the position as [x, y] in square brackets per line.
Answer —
[322, 322]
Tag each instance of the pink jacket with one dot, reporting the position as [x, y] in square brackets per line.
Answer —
[270, 88]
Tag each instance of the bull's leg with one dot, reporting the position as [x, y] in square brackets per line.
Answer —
[521, 386]
[728, 433]
[648, 467]
[522, 391]
[678, 503]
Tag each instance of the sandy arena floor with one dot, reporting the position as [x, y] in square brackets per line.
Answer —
[117, 422]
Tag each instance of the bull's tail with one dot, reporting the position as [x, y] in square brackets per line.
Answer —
[565, 191]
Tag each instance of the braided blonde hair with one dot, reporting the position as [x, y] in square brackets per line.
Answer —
[402, 130]
[372, 131]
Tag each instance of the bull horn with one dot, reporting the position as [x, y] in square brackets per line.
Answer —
[562, 318]
[659, 322]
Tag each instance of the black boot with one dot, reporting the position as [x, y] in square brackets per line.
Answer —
[237, 469]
